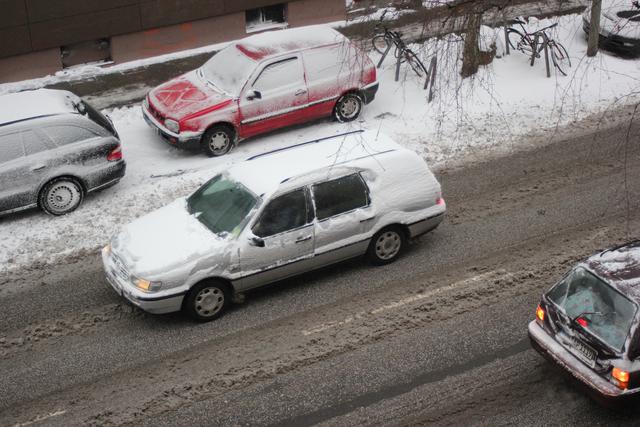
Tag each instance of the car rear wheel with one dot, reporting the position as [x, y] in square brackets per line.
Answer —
[386, 246]
[217, 141]
[207, 300]
[61, 196]
[348, 107]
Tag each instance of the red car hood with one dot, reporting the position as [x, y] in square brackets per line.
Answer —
[186, 96]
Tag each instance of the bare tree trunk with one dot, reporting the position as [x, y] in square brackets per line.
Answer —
[594, 32]
[471, 54]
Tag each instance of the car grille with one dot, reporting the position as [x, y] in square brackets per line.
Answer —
[119, 269]
[155, 113]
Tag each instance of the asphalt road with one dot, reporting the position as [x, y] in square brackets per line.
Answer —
[437, 337]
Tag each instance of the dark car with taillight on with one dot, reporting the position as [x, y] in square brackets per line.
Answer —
[588, 324]
[54, 149]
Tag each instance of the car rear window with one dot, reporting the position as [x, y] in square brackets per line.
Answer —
[11, 147]
[604, 312]
[67, 134]
[340, 195]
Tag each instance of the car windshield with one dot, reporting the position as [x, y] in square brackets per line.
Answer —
[595, 306]
[222, 205]
[228, 70]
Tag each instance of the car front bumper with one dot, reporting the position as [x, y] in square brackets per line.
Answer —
[186, 138]
[156, 304]
[615, 43]
[596, 386]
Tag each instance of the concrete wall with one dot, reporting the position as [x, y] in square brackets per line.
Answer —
[32, 31]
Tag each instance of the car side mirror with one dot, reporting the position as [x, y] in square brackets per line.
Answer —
[256, 241]
[254, 94]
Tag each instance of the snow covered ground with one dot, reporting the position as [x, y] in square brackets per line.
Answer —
[499, 109]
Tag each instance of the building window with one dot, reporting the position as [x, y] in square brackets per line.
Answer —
[264, 18]
[95, 51]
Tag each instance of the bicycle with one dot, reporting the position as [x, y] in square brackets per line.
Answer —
[384, 39]
[527, 43]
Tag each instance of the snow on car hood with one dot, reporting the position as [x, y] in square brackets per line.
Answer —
[186, 96]
[619, 17]
[165, 240]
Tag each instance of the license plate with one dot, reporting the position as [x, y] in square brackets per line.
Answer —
[583, 351]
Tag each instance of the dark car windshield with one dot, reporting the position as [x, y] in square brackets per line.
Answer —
[222, 205]
[606, 314]
[228, 70]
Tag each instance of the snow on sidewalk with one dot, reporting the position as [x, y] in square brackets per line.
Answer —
[498, 109]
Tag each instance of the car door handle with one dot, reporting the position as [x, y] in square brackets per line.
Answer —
[38, 168]
[303, 239]
[367, 219]
[300, 92]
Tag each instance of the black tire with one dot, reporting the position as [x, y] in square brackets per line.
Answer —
[218, 140]
[416, 65]
[386, 245]
[348, 107]
[61, 196]
[515, 38]
[207, 300]
[560, 57]
[380, 43]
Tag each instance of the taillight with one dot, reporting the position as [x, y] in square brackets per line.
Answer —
[540, 314]
[440, 202]
[582, 322]
[115, 154]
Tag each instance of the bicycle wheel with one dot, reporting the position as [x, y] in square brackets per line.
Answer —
[560, 57]
[416, 65]
[516, 39]
[380, 43]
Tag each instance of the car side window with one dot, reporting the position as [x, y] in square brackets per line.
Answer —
[340, 195]
[67, 134]
[284, 213]
[11, 147]
[279, 74]
[34, 143]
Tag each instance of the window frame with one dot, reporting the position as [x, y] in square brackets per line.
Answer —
[274, 62]
[367, 193]
[309, 207]
[262, 25]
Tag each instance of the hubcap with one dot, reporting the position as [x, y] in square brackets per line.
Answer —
[388, 245]
[349, 108]
[219, 142]
[63, 197]
[209, 302]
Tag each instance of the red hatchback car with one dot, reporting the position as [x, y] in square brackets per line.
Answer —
[262, 83]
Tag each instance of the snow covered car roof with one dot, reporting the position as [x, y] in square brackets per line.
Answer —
[35, 103]
[620, 267]
[264, 173]
[275, 43]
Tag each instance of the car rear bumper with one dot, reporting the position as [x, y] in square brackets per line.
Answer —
[369, 92]
[595, 385]
[171, 137]
[106, 176]
[426, 225]
[615, 43]
[160, 304]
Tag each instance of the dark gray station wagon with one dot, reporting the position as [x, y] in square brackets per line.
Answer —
[54, 149]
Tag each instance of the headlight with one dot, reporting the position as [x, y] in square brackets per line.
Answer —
[107, 250]
[172, 125]
[146, 285]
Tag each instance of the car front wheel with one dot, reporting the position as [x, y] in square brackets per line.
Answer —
[207, 300]
[348, 107]
[386, 246]
[61, 196]
[217, 141]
